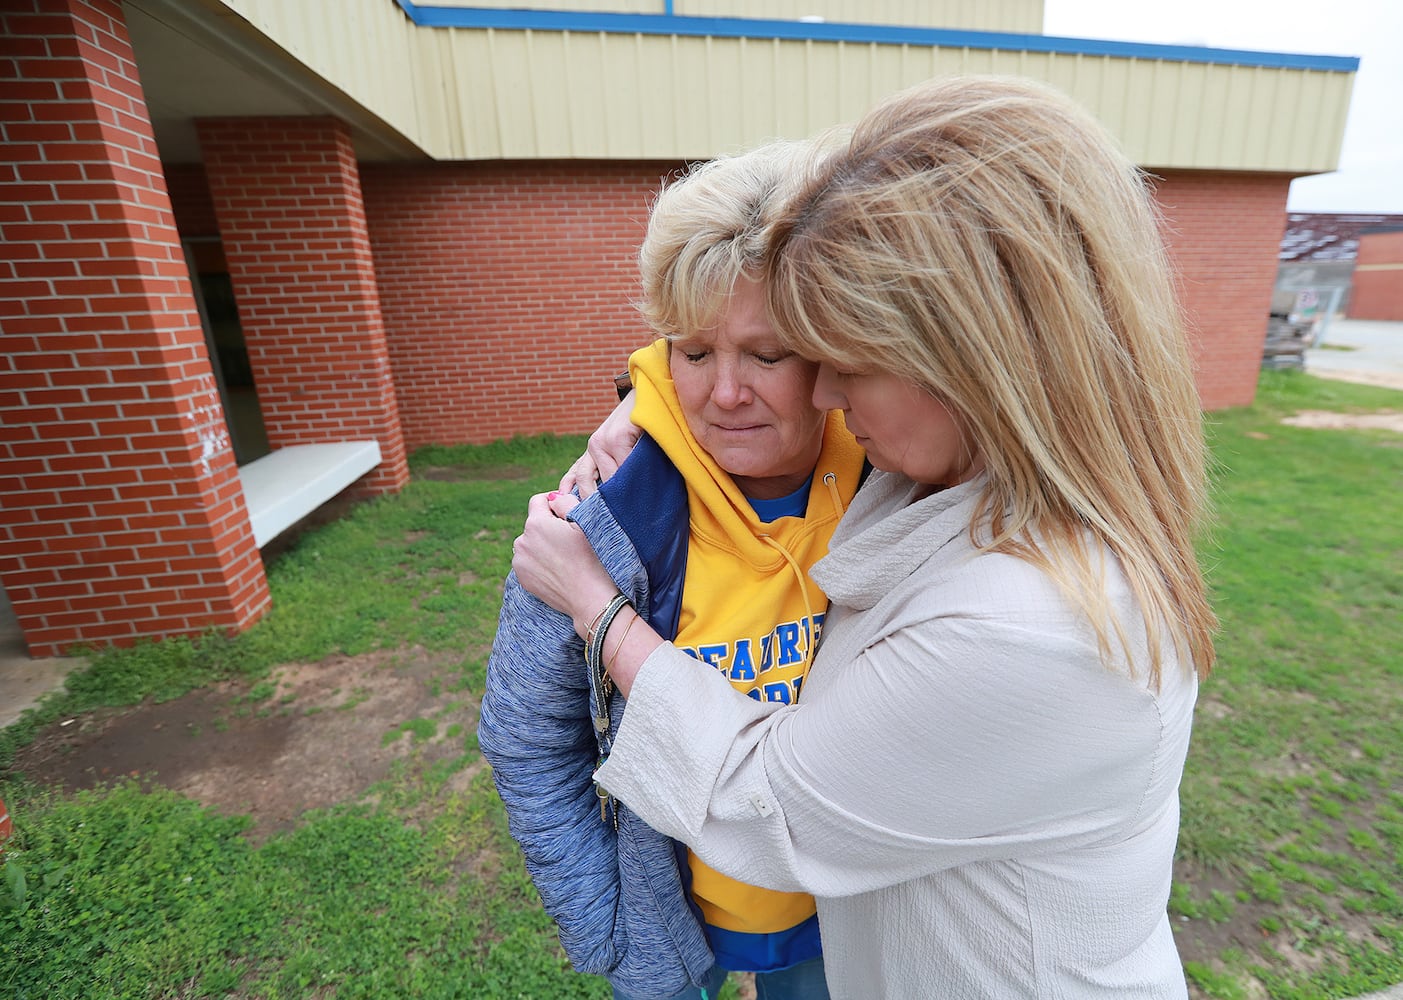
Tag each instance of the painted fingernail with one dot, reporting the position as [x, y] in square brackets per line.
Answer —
[552, 495]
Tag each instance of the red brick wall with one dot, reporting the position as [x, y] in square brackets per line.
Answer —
[286, 194]
[506, 287]
[507, 291]
[1223, 231]
[120, 508]
[1377, 291]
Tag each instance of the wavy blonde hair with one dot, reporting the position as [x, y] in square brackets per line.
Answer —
[985, 238]
[709, 227]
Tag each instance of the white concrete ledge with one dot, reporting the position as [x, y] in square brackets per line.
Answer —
[286, 485]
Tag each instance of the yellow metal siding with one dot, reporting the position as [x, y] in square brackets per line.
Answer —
[1020, 16]
[470, 93]
[604, 95]
[574, 6]
[1197, 115]
[364, 48]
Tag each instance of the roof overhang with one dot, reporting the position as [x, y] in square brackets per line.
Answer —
[461, 83]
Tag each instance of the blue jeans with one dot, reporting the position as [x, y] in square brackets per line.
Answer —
[804, 981]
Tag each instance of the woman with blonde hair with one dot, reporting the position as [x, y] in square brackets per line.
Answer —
[980, 785]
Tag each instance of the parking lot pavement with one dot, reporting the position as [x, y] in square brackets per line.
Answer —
[1359, 350]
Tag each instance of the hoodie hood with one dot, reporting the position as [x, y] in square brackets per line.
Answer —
[718, 508]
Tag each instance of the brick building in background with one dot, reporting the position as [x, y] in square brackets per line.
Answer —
[1319, 253]
[257, 252]
[1378, 275]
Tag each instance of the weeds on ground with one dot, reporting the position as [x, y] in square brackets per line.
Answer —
[415, 890]
[137, 893]
[131, 891]
[1291, 848]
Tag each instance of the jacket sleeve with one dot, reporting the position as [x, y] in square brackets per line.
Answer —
[617, 898]
[943, 743]
[534, 730]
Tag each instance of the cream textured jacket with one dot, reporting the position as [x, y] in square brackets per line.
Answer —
[982, 807]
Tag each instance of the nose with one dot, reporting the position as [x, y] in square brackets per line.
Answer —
[826, 394]
[730, 388]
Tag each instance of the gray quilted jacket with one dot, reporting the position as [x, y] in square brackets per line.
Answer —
[618, 898]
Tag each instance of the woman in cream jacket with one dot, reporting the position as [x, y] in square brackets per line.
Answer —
[980, 785]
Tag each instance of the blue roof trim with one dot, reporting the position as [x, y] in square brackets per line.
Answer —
[431, 16]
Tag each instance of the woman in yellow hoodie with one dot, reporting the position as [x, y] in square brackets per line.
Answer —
[709, 527]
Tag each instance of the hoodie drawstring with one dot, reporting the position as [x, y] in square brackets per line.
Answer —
[831, 481]
[803, 592]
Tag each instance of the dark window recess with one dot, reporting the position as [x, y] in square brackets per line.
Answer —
[228, 353]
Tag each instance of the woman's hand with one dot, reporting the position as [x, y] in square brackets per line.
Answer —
[607, 448]
[553, 560]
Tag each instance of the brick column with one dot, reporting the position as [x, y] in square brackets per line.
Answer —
[121, 513]
[287, 197]
[1224, 231]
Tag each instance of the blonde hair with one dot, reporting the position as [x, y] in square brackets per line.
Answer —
[709, 227]
[984, 238]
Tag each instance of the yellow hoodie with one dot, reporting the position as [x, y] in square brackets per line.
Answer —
[750, 610]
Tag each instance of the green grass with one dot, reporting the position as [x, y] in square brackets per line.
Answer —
[1293, 796]
[133, 892]
[141, 894]
[1291, 851]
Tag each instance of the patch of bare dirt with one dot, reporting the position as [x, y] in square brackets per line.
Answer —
[1384, 379]
[1385, 420]
[317, 739]
[1203, 939]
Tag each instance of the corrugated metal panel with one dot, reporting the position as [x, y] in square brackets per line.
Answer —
[363, 47]
[971, 15]
[1220, 117]
[564, 94]
[489, 93]
[606, 6]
